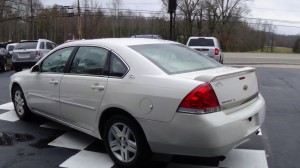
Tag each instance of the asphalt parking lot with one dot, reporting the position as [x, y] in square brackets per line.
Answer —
[42, 143]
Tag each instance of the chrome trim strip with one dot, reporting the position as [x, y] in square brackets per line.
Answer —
[37, 95]
[78, 105]
[240, 102]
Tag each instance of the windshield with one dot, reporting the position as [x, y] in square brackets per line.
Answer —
[201, 42]
[175, 58]
[27, 45]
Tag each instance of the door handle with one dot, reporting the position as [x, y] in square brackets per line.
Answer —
[53, 82]
[99, 87]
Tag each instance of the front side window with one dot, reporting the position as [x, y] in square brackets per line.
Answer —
[117, 67]
[175, 58]
[56, 62]
[89, 60]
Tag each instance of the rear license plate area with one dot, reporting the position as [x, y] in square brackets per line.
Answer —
[23, 55]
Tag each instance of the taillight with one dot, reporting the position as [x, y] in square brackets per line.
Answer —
[201, 100]
[37, 53]
[217, 51]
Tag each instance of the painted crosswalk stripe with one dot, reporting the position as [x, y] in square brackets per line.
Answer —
[88, 159]
[259, 133]
[245, 158]
[7, 106]
[73, 140]
[176, 165]
[9, 116]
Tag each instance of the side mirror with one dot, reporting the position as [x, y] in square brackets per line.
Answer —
[36, 68]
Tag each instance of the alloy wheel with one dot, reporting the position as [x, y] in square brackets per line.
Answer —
[122, 142]
[19, 102]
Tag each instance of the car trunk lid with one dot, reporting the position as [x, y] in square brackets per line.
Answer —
[233, 86]
[207, 51]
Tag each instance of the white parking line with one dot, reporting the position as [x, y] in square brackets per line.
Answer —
[175, 165]
[88, 159]
[245, 158]
[9, 116]
[73, 140]
[7, 106]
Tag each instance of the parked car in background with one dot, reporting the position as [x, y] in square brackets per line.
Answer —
[29, 52]
[151, 36]
[10, 47]
[208, 46]
[5, 60]
[142, 96]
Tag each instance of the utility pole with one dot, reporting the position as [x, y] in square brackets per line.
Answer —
[171, 9]
[79, 21]
[31, 21]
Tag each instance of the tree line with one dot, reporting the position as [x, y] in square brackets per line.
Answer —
[29, 19]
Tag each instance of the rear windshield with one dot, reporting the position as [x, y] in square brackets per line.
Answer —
[147, 36]
[175, 58]
[27, 45]
[201, 42]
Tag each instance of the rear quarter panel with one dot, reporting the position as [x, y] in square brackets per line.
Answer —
[147, 97]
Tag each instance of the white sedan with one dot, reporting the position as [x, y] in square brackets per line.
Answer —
[142, 96]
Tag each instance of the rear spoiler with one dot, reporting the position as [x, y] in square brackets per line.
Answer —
[225, 74]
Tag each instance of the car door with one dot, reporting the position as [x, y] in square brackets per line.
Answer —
[43, 87]
[82, 89]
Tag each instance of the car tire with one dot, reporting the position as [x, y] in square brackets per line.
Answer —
[221, 59]
[2, 67]
[20, 104]
[17, 68]
[125, 142]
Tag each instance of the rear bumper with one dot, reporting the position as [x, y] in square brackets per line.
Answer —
[205, 135]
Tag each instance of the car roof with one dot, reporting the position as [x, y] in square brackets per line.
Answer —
[13, 44]
[24, 41]
[118, 41]
[196, 37]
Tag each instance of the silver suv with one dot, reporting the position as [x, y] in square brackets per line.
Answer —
[208, 46]
[28, 52]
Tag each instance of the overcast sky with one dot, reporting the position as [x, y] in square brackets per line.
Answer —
[286, 10]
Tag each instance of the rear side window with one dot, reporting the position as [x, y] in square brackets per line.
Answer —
[42, 45]
[201, 42]
[26, 45]
[89, 60]
[175, 58]
[49, 45]
[117, 67]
